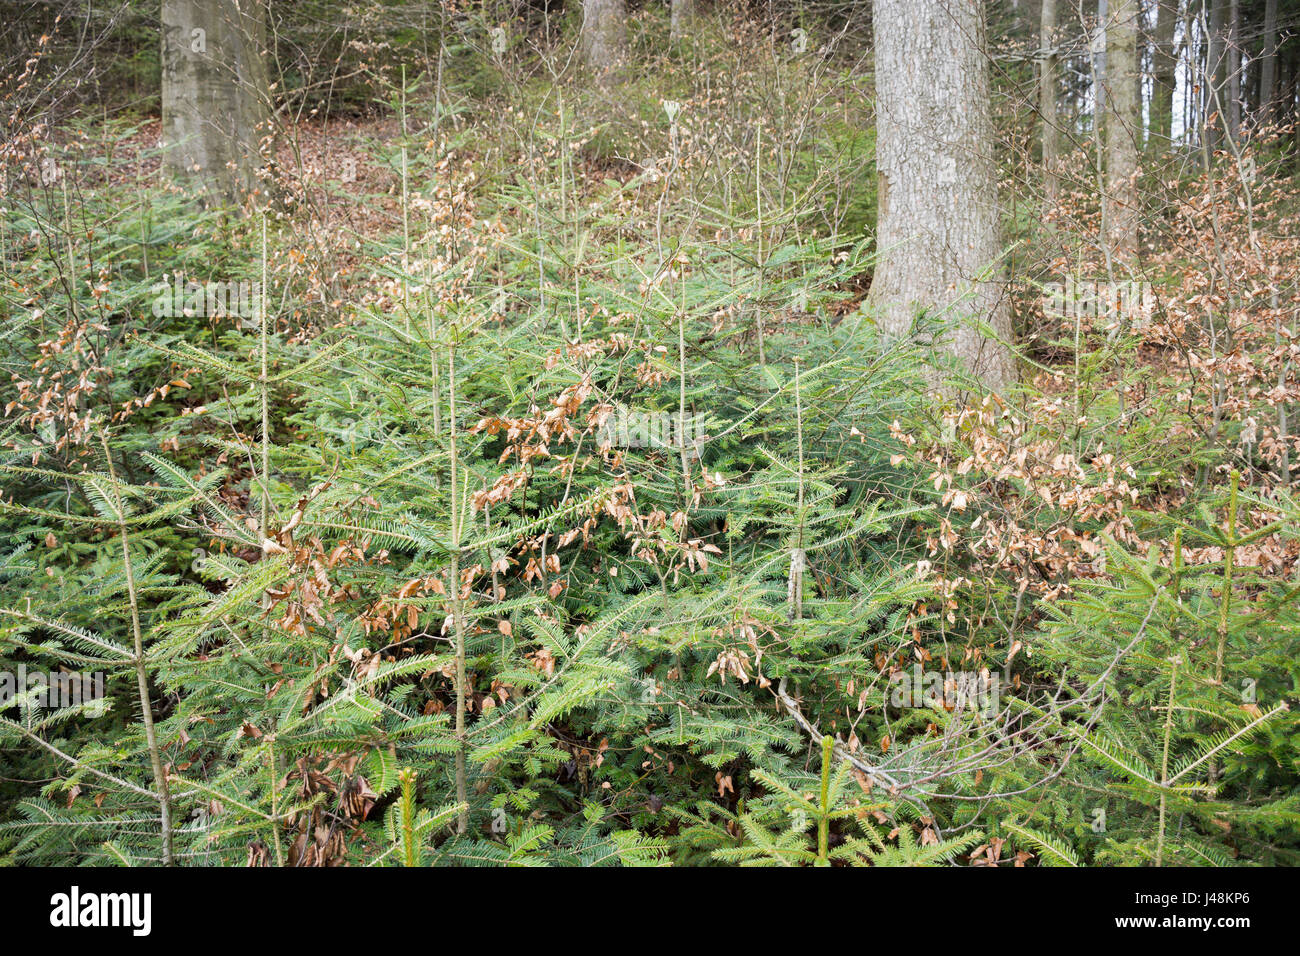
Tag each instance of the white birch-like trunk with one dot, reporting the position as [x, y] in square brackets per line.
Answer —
[215, 94]
[937, 227]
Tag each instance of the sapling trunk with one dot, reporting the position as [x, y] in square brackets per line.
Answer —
[406, 218]
[1225, 600]
[457, 605]
[798, 557]
[410, 847]
[824, 816]
[758, 200]
[162, 793]
[681, 403]
[1164, 762]
[263, 383]
[274, 769]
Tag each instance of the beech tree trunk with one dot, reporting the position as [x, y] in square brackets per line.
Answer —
[1268, 65]
[1047, 98]
[1232, 94]
[1164, 73]
[1123, 130]
[682, 18]
[604, 35]
[937, 226]
[1215, 73]
[1100, 97]
[215, 94]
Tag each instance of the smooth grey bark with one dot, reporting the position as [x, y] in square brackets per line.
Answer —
[937, 221]
[1164, 75]
[1233, 92]
[1268, 65]
[1099, 69]
[1123, 130]
[215, 94]
[604, 36]
[1047, 80]
[682, 18]
[1194, 90]
[1215, 73]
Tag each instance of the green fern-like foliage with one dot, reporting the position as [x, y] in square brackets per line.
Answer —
[1197, 667]
[791, 825]
[451, 567]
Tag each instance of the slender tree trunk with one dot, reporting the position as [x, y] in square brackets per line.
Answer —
[162, 791]
[1268, 65]
[1232, 93]
[937, 227]
[1164, 68]
[682, 22]
[215, 94]
[1215, 74]
[1143, 56]
[1193, 114]
[1047, 80]
[1123, 130]
[1099, 68]
[1286, 108]
[604, 37]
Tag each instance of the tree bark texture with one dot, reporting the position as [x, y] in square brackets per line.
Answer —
[937, 227]
[215, 95]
